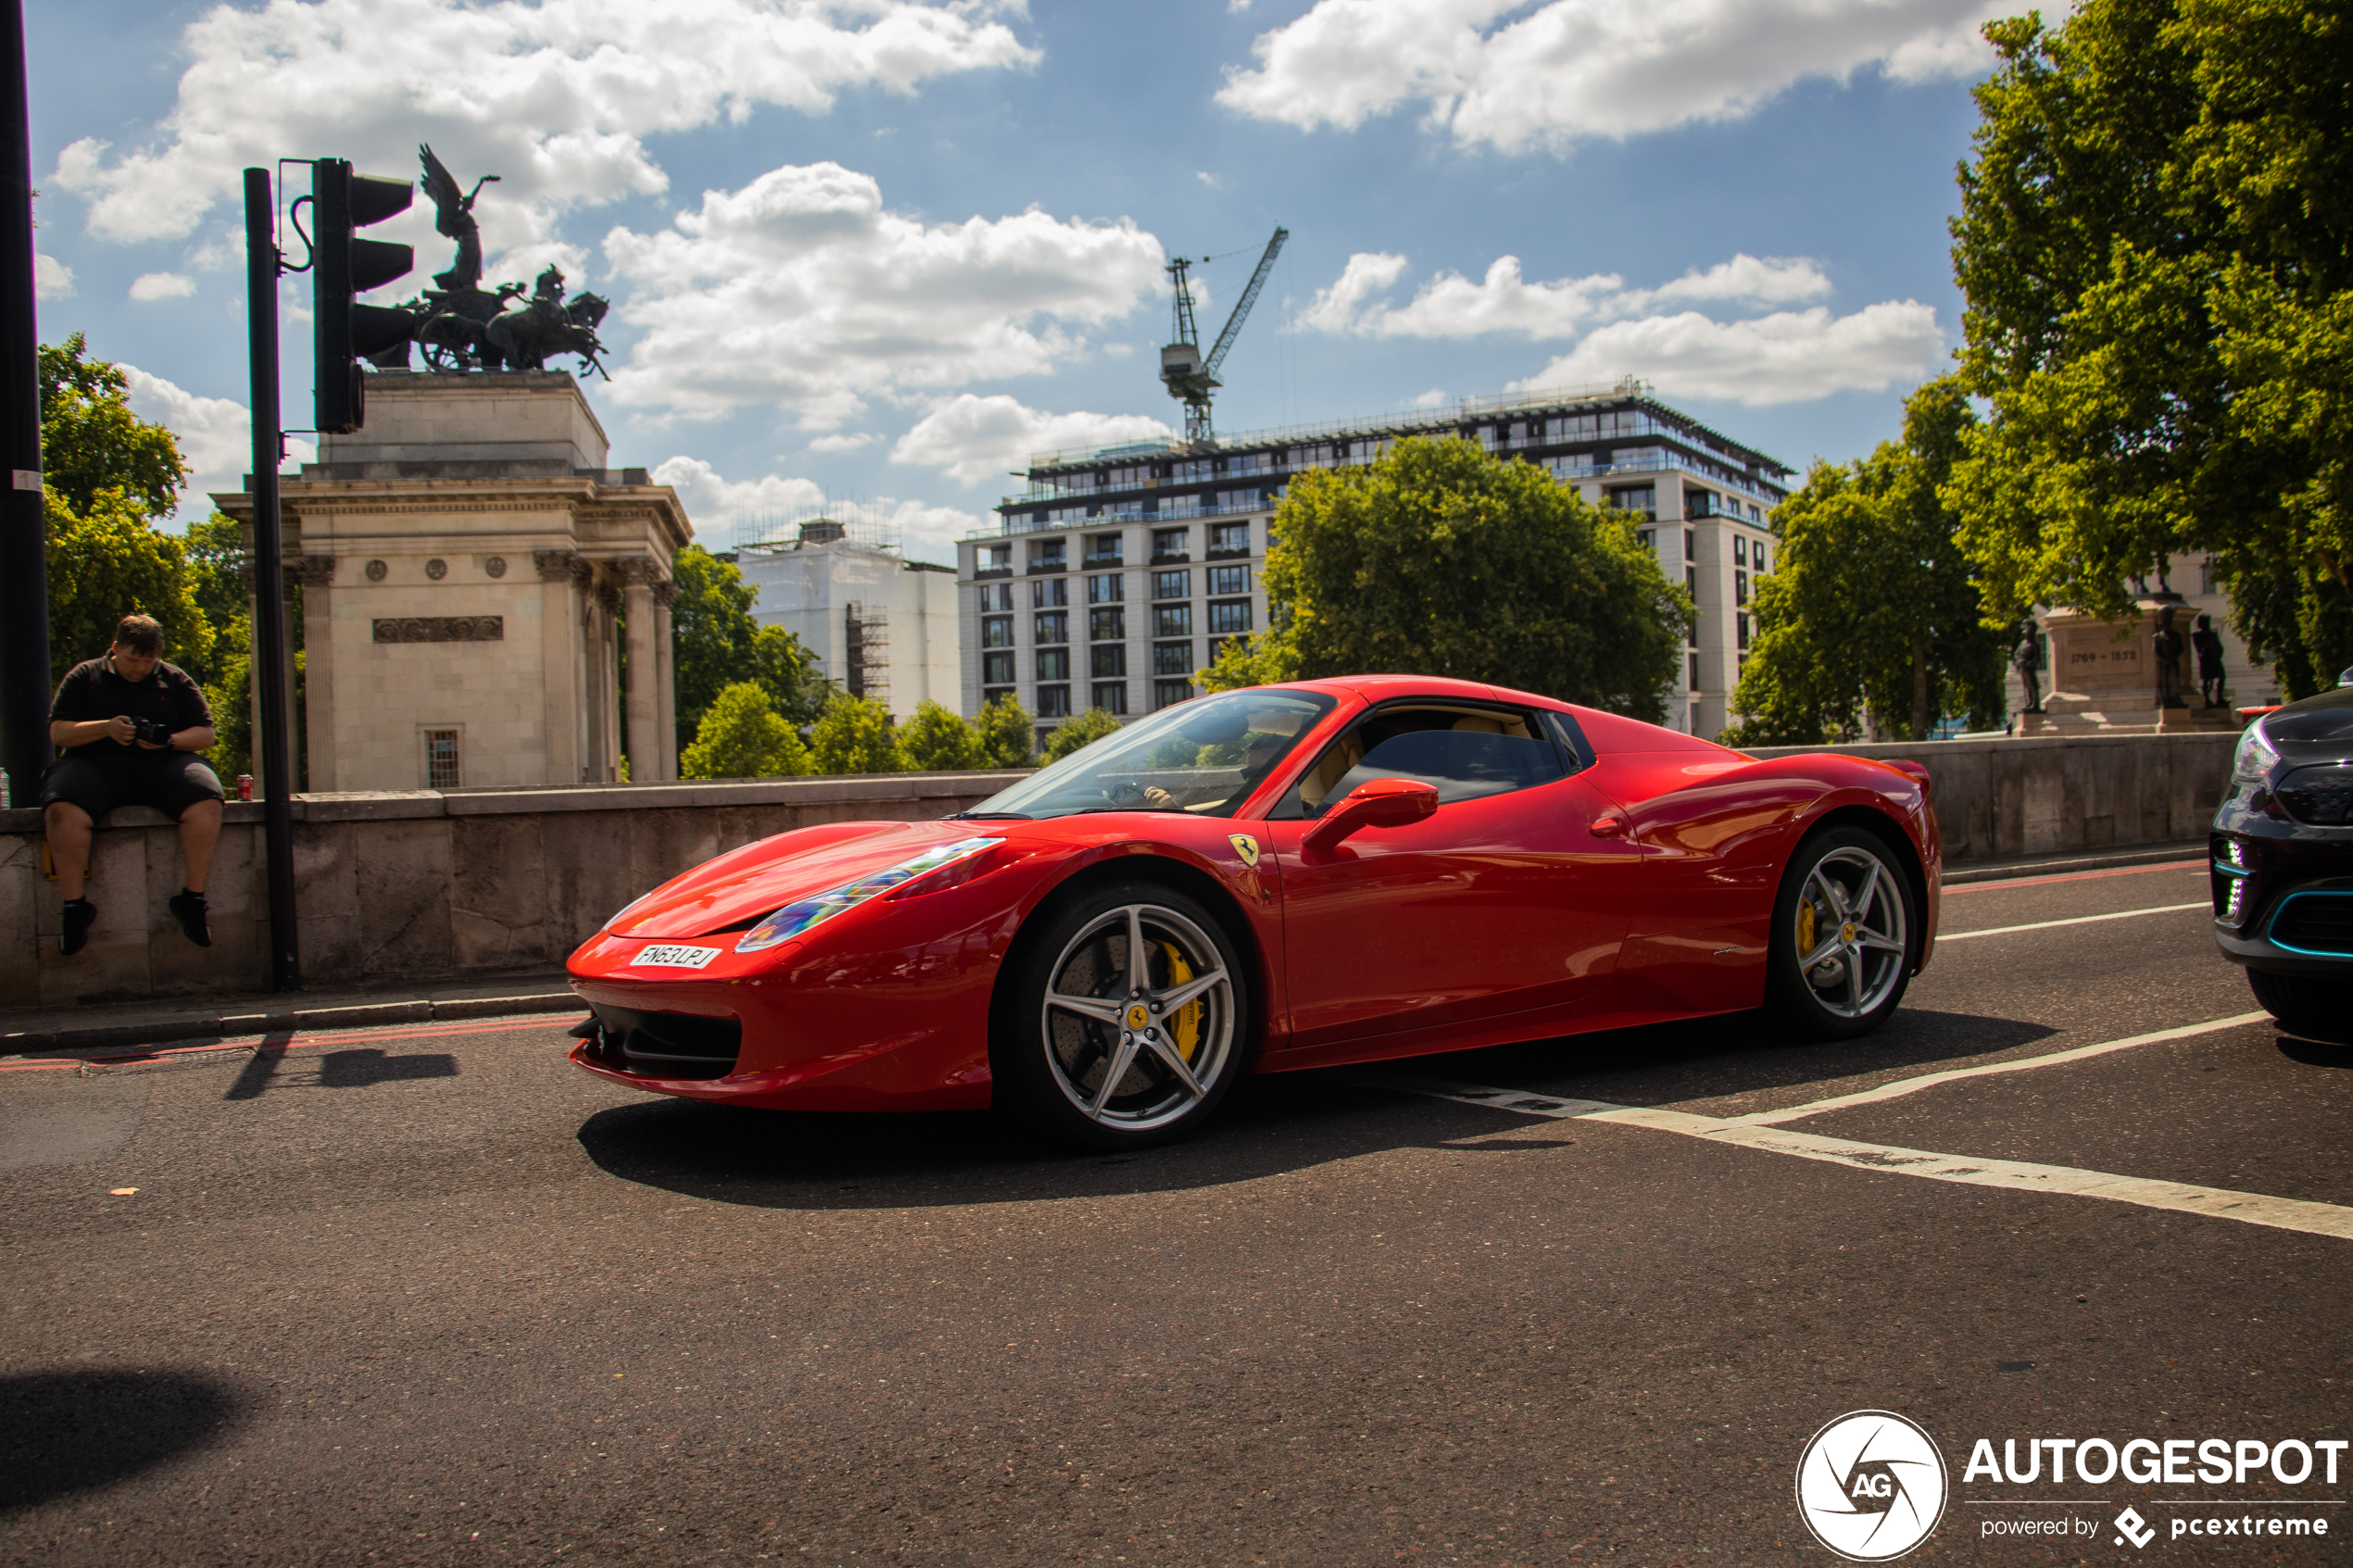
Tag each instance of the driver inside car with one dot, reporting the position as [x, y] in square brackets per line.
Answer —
[1265, 743]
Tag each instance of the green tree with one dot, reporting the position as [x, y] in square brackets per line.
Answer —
[105, 564]
[91, 442]
[1083, 730]
[1441, 559]
[1873, 606]
[715, 644]
[1008, 734]
[937, 740]
[742, 737]
[2153, 243]
[853, 735]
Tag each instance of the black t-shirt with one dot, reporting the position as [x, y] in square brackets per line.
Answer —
[93, 690]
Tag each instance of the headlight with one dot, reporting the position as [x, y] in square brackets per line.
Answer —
[818, 907]
[2255, 758]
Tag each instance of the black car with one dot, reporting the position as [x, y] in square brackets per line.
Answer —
[2282, 852]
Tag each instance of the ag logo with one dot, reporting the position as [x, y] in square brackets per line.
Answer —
[1246, 847]
[2136, 1529]
[1872, 1485]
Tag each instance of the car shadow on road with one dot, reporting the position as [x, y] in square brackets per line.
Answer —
[65, 1432]
[1272, 1125]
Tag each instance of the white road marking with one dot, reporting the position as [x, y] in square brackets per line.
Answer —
[1757, 1132]
[2080, 920]
[1929, 1080]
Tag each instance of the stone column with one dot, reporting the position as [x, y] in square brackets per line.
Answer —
[638, 575]
[315, 575]
[563, 664]
[666, 692]
[604, 765]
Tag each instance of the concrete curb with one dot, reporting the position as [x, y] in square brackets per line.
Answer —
[111, 1036]
[2152, 855]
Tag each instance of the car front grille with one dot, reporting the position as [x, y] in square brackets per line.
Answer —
[2320, 797]
[666, 1044]
[2315, 922]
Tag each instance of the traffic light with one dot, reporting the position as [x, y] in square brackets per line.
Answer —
[345, 330]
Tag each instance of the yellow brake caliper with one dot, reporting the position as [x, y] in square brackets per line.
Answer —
[1186, 1024]
[1805, 926]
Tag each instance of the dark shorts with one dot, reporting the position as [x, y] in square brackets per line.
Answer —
[169, 781]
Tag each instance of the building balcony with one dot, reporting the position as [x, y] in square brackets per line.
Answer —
[1179, 558]
[1091, 563]
[986, 573]
[1048, 568]
[1239, 553]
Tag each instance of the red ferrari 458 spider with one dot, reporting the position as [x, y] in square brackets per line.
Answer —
[1289, 876]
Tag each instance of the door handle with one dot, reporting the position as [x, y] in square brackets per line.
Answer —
[1607, 827]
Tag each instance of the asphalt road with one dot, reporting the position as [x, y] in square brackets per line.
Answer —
[435, 1296]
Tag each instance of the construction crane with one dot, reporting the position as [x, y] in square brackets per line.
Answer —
[1188, 377]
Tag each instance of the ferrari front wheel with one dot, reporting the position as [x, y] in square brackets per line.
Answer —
[1842, 935]
[1123, 1021]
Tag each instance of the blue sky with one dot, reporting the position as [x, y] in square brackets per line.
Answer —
[880, 251]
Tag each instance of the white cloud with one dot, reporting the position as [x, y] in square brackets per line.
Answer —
[1431, 398]
[1789, 356]
[162, 286]
[929, 533]
[971, 438]
[558, 96]
[215, 434]
[715, 505]
[1495, 72]
[1206, 177]
[52, 278]
[1451, 305]
[840, 443]
[1367, 274]
[802, 291]
[723, 509]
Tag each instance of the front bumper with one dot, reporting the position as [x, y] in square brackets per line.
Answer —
[2282, 893]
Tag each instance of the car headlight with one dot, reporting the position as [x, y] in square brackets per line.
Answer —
[818, 907]
[2255, 758]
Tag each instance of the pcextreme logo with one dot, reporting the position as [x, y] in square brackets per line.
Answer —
[1872, 1485]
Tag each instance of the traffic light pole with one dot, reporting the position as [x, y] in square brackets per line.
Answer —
[269, 582]
[24, 567]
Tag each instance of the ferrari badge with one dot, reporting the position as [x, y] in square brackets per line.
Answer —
[1246, 847]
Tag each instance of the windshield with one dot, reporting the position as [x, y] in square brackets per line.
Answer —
[1204, 756]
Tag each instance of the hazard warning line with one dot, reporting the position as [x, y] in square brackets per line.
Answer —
[162, 1053]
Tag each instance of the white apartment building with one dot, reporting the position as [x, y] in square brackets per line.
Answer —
[1118, 571]
[882, 625]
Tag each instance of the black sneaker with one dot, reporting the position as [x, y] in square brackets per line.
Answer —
[188, 907]
[81, 915]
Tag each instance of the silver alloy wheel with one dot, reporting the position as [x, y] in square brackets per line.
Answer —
[1138, 1022]
[1851, 943]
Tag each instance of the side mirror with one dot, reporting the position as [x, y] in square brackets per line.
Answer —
[1378, 803]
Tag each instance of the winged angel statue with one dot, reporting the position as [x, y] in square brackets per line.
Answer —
[459, 326]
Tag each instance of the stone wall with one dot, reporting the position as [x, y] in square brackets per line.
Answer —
[2039, 795]
[419, 884]
[405, 885]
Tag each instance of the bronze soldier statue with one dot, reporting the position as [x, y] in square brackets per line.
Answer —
[2027, 660]
[2209, 644]
[2168, 661]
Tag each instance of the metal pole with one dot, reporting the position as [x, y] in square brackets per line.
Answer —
[269, 582]
[24, 565]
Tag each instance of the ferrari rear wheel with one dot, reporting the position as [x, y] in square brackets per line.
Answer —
[1125, 1023]
[1843, 933]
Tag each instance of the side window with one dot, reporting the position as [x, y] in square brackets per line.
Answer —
[1466, 752]
[1574, 745]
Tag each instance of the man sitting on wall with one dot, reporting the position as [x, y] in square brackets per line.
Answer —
[129, 725]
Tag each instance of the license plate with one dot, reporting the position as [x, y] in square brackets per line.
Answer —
[670, 955]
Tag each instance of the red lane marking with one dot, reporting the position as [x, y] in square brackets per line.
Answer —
[2069, 876]
[133, 1055]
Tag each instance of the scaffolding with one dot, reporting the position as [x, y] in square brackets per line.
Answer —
[865, 645]
[856, 523]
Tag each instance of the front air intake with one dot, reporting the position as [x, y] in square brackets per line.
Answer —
[666, 1044]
